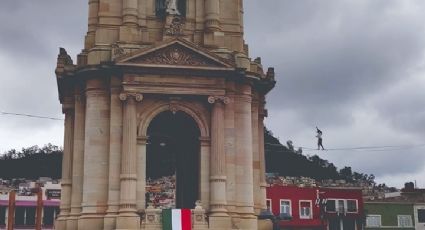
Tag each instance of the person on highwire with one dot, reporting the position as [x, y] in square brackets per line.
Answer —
[319, 139]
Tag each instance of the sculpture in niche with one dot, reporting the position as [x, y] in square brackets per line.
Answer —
[170, 7]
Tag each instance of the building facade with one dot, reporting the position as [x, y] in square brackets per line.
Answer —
[419, 215]
[389, 215]
[316, 208]
[163, 89]
[25, 209]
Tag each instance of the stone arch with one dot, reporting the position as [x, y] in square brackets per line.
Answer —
[150, 113]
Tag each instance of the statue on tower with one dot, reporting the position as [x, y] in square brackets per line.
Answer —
[170, 7]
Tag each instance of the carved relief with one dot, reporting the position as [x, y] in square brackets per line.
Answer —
[176, 27]
[175, 55]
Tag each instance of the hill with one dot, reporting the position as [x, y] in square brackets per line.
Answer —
[32, 163]
[35, 162]
[287, 161]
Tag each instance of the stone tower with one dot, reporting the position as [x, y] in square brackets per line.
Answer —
[144, 58]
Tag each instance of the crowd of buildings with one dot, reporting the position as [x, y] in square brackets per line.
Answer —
[26, 201]
[303, 203]
[295, 202]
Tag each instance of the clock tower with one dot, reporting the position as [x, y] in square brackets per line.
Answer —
[163, 90]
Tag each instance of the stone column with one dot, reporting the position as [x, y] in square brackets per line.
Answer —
[129, 32]
[78, 161]
[229, 135]
[256, 155]
[244, 191]
[205, 171]
[96, 151]
[66, 182]
[213, 37]
[218, 200]
[141, 174]
[263, 183]
[128, 218]
[212, 15]
[92, 24]
[115, 150]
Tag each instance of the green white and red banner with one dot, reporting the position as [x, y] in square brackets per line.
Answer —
[176, 219]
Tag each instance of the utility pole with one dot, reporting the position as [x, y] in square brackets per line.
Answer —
[11, 210]
[38, 221]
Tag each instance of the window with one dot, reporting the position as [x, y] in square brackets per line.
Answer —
[330, 206]
[421, 215]
[373, 221]
[269, 205]
[351, 205]
[285, 207]
[305, 210]
[341, 206]
[404, 220]
[2, 215]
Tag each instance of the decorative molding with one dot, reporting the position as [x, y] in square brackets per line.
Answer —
[175, 54]
[176, 27]
[214, 99]
[137, 96]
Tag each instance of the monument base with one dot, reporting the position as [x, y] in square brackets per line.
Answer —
[90, 222]
[128, 221]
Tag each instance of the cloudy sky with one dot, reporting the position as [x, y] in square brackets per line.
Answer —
[355, 68]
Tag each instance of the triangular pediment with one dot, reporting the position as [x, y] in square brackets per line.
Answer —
[176, 54]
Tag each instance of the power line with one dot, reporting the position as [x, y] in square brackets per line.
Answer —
[372, 148]
[30, 115]
[360, 148]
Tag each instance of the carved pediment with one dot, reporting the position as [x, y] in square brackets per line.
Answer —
[176, 54]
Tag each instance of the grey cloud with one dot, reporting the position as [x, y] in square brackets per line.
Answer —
[331, 55]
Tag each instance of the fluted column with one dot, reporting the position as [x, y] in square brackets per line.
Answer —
[115, 133]
[205, 171]
[96, 150]
[244, 157]
[141, 174]
[128, 218]
[130, 31]
[218, 159]
[219, 217]
[230, 150]
[130, 12]
[92, 23]
[256, 154]
[212, 15]
[78, 161]
[263, 183]
[66, 182]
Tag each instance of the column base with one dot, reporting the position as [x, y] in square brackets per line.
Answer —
[110, 221]
[220, 222]
[90, 222]
[72, 222]
[128, 221]
[265, 225]
[60, 222]
[247, 221]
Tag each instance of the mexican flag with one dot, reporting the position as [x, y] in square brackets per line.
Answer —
[176, 219]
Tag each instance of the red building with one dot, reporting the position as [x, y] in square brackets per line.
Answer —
[316, 208]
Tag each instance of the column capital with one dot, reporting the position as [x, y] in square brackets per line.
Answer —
[214, 99]
[125, 95]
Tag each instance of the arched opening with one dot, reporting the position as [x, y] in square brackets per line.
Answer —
[172, 161]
